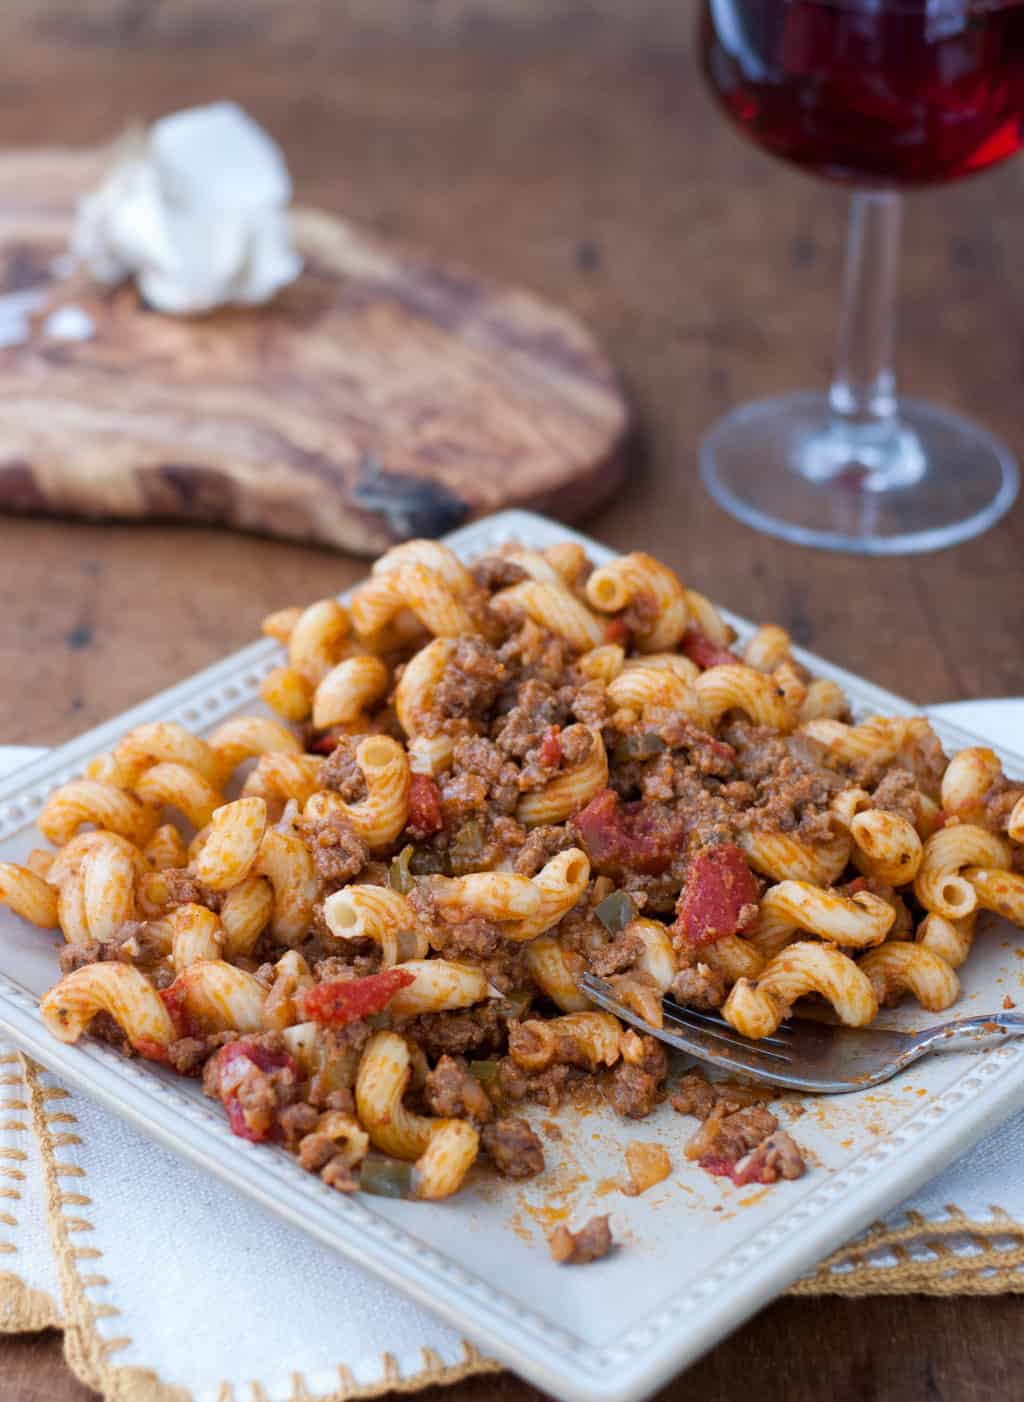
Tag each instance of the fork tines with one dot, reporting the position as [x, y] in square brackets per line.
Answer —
[703, 1035]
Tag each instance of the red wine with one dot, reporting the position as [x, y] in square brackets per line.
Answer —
[876, 92]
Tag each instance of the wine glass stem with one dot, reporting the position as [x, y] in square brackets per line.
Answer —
[863, 443]
[864, 387]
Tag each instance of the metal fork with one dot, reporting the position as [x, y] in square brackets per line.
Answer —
[806, 1055]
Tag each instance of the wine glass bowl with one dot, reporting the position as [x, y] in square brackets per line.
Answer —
[895, 93]
[881, 95]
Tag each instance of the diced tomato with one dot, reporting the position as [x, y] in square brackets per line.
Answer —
[424, 807]
[150, 1049]
[550, 754]
[344, 1000]
[616, 630]
[174, 1002]
[719, 1166]
[699, 648]
[719, 897]
[623, 837]
[325, 744]
[753, 1168]
[232, 1064]
[238, 1123]
[752, 1171]
[231, 1057]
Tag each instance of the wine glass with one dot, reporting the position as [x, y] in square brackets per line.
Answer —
[879, 94]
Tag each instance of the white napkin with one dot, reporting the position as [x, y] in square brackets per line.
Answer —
[211, 1293]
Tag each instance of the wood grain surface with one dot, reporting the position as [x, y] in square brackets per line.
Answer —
[565, 145]
[384, 394]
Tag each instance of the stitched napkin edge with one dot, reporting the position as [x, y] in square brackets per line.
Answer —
[23, 1307]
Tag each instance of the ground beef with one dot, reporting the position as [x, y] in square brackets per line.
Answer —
[134, 943]
[480, 779]
[527, 1043]
[590, 1243]
[104, 1027]
[760, 751]
[928, 760]
[316, 1150]
[475, 940]
[296, 1121]
[453, 1093]
[557, 750]
[581, 932]
[539, 846]
[513, 1148]
[538, 706]
[620, 953]
[706, 754]
[793, 783]
[77, 956]
[472, 680]
[776, 1157]
[590, 705]
[494, 572]
[897, 792]
[548, 1087]
[340, 772]
[188, 1055]
[183, 888]
[339, 855]
[646, 1052]
[476, 1032]
[696, 1095]
[575, 743]
[339, 1175]
[727, 1137]
[532, 653]
[340, 1051]
[1000, 802]
[354, 959]
[633, 1087]
[699, 986]
[318, 1153]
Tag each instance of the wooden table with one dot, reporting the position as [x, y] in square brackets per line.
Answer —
[566, 144]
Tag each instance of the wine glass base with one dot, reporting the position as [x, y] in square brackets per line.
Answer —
[781, 466]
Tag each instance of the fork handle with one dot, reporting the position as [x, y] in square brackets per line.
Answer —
[971, 1033]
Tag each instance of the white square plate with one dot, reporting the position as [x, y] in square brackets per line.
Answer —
[697, 1255]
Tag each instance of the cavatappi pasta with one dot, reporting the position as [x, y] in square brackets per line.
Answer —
[363, 922]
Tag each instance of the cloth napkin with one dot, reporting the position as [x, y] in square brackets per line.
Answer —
[160, 1274]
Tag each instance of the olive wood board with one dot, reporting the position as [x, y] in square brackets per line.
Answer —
[380, 396]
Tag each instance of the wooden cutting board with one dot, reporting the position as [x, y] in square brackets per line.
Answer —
[378, 397]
